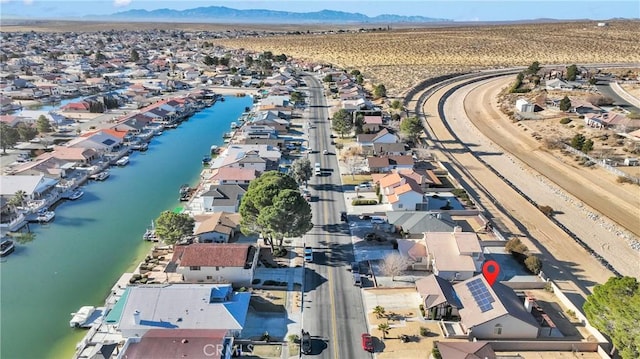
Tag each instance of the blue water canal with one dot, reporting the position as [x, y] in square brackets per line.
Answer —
[75, 260]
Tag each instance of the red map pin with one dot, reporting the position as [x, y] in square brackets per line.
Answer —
[491, 270]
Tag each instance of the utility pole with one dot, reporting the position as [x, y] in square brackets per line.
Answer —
[304, 272]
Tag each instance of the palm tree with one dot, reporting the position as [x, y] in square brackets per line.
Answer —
[378, 311]
[18, 199]
[384, 328]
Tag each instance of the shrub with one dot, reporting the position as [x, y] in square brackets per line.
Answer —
[623, 179]
[514, 245]
[424, 331]
[435, 352]
[547, 210]
[280, 252]
[421, 306]
[565, 120]
[363, 202]
[533, 264]
[293, 338]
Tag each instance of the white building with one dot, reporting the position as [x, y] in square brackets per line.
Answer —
[216, 263]
[181, 306]
[523, 105]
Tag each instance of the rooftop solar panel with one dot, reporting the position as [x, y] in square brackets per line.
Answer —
[481, 294]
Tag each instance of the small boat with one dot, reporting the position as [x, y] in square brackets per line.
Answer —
[214, 149]
[150, 233]
[206, 160]
[86, 316]
[45, 215]
[7, 247]
[185, 191]
[123, 161]
[101, 176]
[234, 125]
[75, 195]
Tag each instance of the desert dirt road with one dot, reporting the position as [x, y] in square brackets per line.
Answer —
[586, 200]
[564, 260]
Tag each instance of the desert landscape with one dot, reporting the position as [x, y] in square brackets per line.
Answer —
[402, 58]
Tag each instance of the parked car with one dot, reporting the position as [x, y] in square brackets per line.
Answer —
[308, 254]
[357, 281]
[365, 185]
[343, 217]
[306, 342]
[373, 236]
[355, 267]
[364, 217]
[367, 342]
[378, 220]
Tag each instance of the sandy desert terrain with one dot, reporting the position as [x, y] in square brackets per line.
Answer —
[401, 58]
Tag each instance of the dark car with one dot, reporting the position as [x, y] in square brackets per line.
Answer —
[365, 216]
[355, 267]
[373, 236]
[343, 217]
[367, 342]
[306, 343]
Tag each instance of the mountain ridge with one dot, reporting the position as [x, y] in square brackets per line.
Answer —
[226, 14]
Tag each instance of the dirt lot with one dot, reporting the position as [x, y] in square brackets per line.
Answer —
[403, 322]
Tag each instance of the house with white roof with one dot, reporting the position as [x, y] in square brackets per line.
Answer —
[218, 198]
[453, 256]
[181, 306]
[258, 157]
[366, 141]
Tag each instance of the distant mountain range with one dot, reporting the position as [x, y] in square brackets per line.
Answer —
[228, 15]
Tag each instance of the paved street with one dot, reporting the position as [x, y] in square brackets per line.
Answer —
[333, 311]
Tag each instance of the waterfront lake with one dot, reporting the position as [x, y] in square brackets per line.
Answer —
[76, 259]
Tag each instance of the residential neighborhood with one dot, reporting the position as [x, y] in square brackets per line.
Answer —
[395, 240]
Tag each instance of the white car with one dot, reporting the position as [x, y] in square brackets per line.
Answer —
[325, 152]
[308, 254]
[378, 220]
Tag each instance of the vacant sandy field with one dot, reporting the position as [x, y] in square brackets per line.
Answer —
[401, 58]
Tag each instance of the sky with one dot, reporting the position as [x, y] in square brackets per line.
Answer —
[457, 10]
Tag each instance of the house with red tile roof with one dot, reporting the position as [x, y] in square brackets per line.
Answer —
[81, 106]
[216, 263]
[179, 343]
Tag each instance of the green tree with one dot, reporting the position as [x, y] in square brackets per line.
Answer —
[572, 72]
[248, 60]
[384, 328]
[301, 170]
[9, 136]
[134, 56]
[411, 127]
[578, 141]
[565, 104]
[43, 125]
[359, 79]
[327, 78]
[614, 309]
[533, 264]
[17, 200]
[26, 132]
[341, 122]
[379, 91]
[396, 104]
[587, 146]
[171, 227]
[297, 96]
[379, 311]
[288, 216]
[354, 72]
[533, 68]
[261, 195]
[210, 61]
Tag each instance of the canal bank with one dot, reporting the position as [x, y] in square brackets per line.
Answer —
[75, 260]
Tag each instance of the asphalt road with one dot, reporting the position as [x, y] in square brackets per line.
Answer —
[333, 311]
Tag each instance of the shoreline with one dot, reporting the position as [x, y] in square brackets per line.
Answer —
[69, 346]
